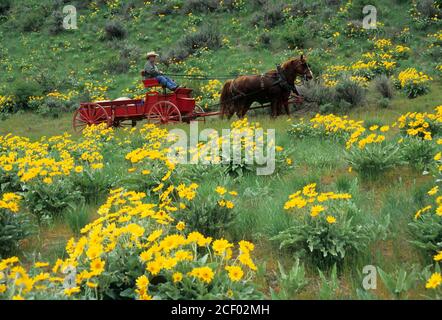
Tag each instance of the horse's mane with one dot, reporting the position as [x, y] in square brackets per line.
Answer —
[286, 63]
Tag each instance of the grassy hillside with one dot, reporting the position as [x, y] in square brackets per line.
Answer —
[310, 242]
[103, 57]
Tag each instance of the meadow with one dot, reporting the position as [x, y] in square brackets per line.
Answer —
[106, 215]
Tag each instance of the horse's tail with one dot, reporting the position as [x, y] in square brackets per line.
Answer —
[226, 99]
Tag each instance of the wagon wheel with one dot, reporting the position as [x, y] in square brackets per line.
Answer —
[199, 109]
[88, 115]
[164, 112]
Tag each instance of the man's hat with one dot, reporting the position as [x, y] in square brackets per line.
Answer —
[152, 54]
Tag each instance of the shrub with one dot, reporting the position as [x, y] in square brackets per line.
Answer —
[427, 233]
[206, 37]
[373, 159]
[350, 92]
[316, 93]
[384, 86]
[413, 82]
[417, 152]
[94, 184]
[5, 5]
[428, 8]
[56, 23]
[114, 30]
[325, 227]
[52, 108]
[22, 90]
[200, 6]
[48, 201]
[421, 124]
[265, 39]
[32, 20]
[14, 226]
[211, 213]
[270, 16]
[296, 33]
[384, 103]
[118, 65]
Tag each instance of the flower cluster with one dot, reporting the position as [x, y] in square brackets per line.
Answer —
[421, 124]
[413, 82]
[131, 230]
[316, 202]
[10, 201]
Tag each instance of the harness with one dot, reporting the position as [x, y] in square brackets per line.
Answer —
[283, 81]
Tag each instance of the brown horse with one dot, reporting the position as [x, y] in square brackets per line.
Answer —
[274, 86]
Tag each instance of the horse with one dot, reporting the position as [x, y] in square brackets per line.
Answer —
[274, 86]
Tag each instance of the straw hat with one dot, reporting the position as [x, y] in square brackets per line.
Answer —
[152, 54]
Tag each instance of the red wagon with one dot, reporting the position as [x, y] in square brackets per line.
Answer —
[157, 107]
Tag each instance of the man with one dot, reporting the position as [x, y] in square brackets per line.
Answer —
[151, 71]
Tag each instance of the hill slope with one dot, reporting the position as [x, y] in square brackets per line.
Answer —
[103, 57]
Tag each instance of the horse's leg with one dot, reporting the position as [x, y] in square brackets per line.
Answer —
[274, 108]
[245, 108]
[287, 107]
[237, 103]
[229, 114]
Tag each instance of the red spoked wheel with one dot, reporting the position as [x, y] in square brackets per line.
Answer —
[90, 114]
[164, 112]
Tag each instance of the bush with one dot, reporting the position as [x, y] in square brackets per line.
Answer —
[210, 213]
[296, 33]
[324, 227]
[22, 90]
[118, 65]
[5, 5]
[351, 92]
[270, 16]
[14, 226]
[384, 103]
[384, 86]
[52, 108]
[417, 152]
[56, 23]
[206, 37]
[428, 8]
[427, 233]
[373, 159]
[114, 30]
[200, 6]
[315, 93]
[49, 201]
[32, 20]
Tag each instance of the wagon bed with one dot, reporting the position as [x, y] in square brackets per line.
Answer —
[156, 107]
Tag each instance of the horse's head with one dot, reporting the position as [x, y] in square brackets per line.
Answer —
[299, 66]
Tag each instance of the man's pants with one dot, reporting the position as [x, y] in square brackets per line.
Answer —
[165, 81]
